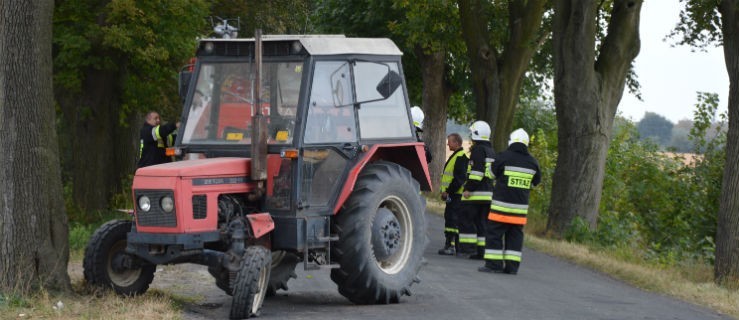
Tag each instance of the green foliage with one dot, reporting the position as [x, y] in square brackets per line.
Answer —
[273, 17]
[653, 205]
[699, 25]
[146, 41]
[656, 127]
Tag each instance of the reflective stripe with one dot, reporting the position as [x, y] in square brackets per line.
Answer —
[506, 219]
[493, 254]
[506, 207]
[481, 241]
[479, 196]
[519, 169]
[451, 230]
[518, 174]
[467, 238]
[512, 255]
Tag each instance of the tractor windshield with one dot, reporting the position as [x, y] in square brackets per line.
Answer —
[222, 104]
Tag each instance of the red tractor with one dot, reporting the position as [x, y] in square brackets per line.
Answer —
[292, 149]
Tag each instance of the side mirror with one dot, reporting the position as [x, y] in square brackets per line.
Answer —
[184, 83]
[389, 84]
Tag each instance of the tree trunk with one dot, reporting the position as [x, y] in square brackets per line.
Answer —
[34, 247]
[435, 100]
[727, 233]
[586, 94]
[102, 150]
[497, 78]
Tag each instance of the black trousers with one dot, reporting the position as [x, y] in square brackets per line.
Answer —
[451, 218]
[472, 226]
[504, 242]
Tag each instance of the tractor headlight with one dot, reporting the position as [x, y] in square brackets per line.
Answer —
[167, 204]
[144, 203]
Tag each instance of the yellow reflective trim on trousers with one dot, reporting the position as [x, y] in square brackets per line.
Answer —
[467, 238]
[452, 230]
[508, 210]
[490, 256]
[479, 196]
[511, 258]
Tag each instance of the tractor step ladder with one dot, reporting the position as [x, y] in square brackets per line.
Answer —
[318, 239]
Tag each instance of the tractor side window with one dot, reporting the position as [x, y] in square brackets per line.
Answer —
[386, 118]
[323, 172]
[330, 113]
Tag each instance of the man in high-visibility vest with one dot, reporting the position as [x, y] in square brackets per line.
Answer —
[155, 138]
[478, 192]
[452, 180]
[516, 172]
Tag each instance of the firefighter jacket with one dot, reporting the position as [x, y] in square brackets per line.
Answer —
[516, 172]
[479, 177]
[154, 141]
[455, 172]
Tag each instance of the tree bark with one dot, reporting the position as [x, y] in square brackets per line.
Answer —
[497, 77]
[586, 93]
[34, 247]
[727, 233]
[435, 100]
[102, 151]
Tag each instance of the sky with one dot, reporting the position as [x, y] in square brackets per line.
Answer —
[671, 76]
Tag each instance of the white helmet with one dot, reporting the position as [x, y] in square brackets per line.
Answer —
[480, 130]
[418, 116]
[519, 135]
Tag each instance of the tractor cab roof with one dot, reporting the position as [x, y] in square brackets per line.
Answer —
[315, 45]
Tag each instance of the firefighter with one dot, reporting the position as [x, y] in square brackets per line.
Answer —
[418, 116]
[516, 172]
[452, 180]
[478, 192]
[155, 138]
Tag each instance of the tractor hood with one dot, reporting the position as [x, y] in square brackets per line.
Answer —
[200, 168]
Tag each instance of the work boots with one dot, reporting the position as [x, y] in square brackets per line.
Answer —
[448, 251]
[449, 248]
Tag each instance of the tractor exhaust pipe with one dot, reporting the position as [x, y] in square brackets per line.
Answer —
[259, 122]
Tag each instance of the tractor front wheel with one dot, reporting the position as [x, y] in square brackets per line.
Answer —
[106, 263]
[382, 236]
[250, 285]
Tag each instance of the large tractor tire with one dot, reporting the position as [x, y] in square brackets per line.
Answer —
[283, 269]
[382, 236]
[106, 263]
[250, 285]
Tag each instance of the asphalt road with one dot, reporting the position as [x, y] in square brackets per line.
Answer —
[452, 288]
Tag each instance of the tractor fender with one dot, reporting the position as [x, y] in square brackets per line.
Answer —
[409, 155]
[260, 223]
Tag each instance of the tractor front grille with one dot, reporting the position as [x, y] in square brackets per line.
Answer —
[199, 207]
[155, 217]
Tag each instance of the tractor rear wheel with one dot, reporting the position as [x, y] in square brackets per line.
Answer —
[106, 263]
[250, 285]
[382, 236]
[283, 269]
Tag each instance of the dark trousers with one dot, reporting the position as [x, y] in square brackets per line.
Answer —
[472, 227]
[504, 242]
[451, 213]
